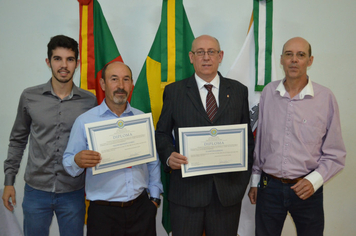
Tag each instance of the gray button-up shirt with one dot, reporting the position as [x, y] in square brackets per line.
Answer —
[47, 119]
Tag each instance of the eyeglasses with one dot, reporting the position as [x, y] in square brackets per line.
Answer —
[201, 53]
[300, 55]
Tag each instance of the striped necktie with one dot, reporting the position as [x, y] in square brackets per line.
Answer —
[211, 106]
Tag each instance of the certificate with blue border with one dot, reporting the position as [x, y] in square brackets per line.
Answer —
[122, 142]
[213, 149]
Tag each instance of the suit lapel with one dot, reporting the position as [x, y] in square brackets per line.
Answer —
[194, 95]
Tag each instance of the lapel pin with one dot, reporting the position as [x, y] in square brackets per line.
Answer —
[228, 95]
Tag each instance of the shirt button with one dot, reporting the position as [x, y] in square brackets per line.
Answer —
[60, 113]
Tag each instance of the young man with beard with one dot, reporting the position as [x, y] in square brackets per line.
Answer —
[45, 117]
[119, 204]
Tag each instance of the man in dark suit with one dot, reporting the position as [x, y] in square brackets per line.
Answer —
[207, 202]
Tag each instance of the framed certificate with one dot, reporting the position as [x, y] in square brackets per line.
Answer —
[122, 142]
[213, 149]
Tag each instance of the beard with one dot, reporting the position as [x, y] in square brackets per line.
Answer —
[63, 81]
[120, 100]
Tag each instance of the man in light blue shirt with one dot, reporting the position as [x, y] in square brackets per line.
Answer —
[118, 199]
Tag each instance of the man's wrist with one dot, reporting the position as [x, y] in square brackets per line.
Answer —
[315, 179]
[255, 180]
[9, 180]
[156, 200]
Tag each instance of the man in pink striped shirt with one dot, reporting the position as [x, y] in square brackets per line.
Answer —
[299, 147]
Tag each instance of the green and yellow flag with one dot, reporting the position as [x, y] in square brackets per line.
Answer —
[167, 62]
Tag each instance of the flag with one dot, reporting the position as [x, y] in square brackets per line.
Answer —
[255, 67]
[168, 59]
[255, 64]
[167, 62]
[96, 45]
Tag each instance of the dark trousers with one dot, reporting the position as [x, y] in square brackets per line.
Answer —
[215, 219]
[276, 199]
[136, 220]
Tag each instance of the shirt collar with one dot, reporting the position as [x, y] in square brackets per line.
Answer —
[200, 82]
[307, 90]
[49, 89]
[103, 109]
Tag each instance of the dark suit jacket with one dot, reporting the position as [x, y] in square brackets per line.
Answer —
[182, 107]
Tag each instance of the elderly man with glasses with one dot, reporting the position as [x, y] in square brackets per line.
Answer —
[212, 202]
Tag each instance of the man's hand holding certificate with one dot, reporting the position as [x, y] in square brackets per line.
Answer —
[213, 149]
[122, 142]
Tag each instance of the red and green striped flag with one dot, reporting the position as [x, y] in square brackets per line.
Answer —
[167, 62]
[97, 48]
[96, 45]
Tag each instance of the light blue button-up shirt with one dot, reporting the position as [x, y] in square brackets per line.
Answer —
[119, 185]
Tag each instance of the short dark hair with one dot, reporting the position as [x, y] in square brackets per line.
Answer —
[63, 42]
[106, 66]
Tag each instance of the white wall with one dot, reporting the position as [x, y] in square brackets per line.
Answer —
[329, 25]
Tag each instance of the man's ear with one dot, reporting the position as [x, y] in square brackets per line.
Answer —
[191, 57]
[221, 56]
[48, 63]
[102, 84]
[310, 62]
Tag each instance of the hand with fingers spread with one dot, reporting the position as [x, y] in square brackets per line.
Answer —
[87, 158]
[175, 160]
[303, 189]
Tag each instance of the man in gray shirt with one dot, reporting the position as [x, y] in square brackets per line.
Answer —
[45, 117]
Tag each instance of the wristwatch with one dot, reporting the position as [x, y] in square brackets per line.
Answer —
[156, 200]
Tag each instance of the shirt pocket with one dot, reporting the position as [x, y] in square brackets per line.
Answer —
[310, 134]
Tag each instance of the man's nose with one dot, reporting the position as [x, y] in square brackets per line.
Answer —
[206, 57]
[120, 84]
[294, 58]
[64, 63]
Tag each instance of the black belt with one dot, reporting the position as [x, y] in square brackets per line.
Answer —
[121, 204]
